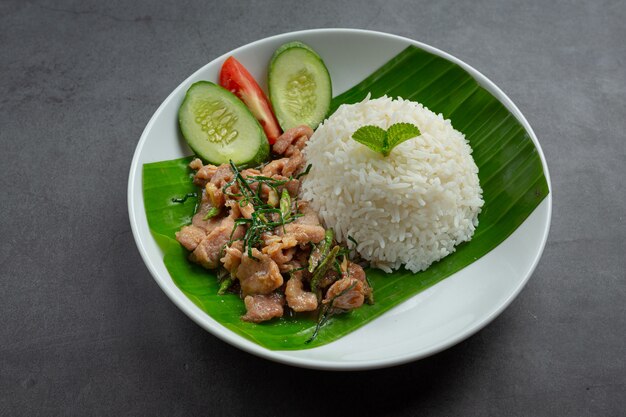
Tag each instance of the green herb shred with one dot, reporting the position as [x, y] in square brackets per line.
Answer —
[183, 199]
[265, 217]
[213, 211]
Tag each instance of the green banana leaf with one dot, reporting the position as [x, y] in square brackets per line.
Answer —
[511, 175]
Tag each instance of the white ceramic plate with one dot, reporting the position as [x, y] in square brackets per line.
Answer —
[433, 320]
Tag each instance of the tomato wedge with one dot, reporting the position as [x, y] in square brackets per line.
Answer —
[235, 78]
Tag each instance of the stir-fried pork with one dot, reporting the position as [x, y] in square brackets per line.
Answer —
[279, 259]
[204, 173]
[259, 274]
[345, 294]
[350, 291]
[305, 233]
[298, 299]
[292, 140]
[207, 253]
[232, 256]
[203, 209]
[285, 167]
[263, 307]
[307, 228]
[357, 272]
[190, 236]
[281, 249]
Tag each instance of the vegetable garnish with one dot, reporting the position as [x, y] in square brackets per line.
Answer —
[225, 285]
[225, 280]
[320, 252]
[214, 211]
[285, 205]
[326, 313]
[235, 78]
[219, 127]
[322, 268]
[264, 218]
[379, 140]
[303, 173]
[183, 199]
[299, 85]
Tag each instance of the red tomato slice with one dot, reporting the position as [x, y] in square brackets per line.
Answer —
[235, 78]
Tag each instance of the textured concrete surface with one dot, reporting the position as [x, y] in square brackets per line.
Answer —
[86, 331]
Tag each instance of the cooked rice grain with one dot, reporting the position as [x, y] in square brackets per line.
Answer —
[411, 208]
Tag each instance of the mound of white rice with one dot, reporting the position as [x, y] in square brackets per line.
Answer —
[410, 208]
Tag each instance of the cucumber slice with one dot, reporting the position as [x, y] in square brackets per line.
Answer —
[299, 86]
[219, 127]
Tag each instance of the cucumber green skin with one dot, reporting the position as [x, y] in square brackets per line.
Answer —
[286, 121]
[255, 143]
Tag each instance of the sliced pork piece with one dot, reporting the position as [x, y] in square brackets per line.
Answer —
[263, 307]
[204, 172]
[247, 210]
[294, 164]
[232, 256]
[190, 236]
[250, 172]
[222, 176]
[196, 164]
[281, 249]
[292, 140]
[274, 168]
[345, 294]
[209, 224]
[357, 272]
[352, 270]
[292, 187]
[328, 279]
[290, 266]
[285, 167]
[304, 229]
[298, 299]
[258, 276]
[215, 195]
[284, 261]
[234, 207]
[198, 219]
[309, 215]
[215, 189]
[207, 253]
[304, 233]
[237, 210]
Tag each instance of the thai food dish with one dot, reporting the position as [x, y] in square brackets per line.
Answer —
[294, 205]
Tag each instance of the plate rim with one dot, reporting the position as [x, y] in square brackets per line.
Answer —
[223, 333]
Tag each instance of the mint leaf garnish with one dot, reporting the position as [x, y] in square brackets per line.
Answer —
[401, 132]
[382, 141]
[371, 136]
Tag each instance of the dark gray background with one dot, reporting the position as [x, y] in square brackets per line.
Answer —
[86, 331]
